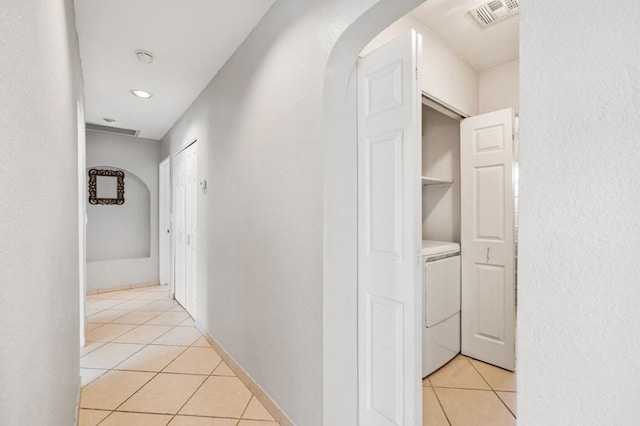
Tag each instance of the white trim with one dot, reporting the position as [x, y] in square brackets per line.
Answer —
[448, 108]
[82, 224]
[76, 416]
[440, 107]
[161, 230]
[121, 287]
[261, 395]
[182, 148]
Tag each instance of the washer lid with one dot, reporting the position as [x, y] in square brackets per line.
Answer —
[431, 247]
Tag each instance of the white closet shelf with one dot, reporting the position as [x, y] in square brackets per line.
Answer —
[426, 180]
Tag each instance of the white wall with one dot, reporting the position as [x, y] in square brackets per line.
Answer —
[109, 224]
[440, 160]
[499, 87]
[259, 129]
[578, 290]
[445, 77]
[40, 86]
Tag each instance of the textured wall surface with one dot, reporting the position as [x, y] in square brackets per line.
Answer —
[578, 290]
[40, 87]
[499, 87]
[259, 126]
[139, 156]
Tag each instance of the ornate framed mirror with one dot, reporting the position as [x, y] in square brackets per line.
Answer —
[106, 186]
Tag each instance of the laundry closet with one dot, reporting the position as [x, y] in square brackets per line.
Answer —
[440, 235]
[467, 193]
[436, 204]
[468, 247]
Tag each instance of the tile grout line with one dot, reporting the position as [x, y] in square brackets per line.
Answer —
[441, 406]
[146, 371]
[459, 388]
[192, 395]
[129, 397]
[114, 367]
[505, 404]
[200, 416]
[247, 406]
[115, 337]
[203, 382]
[106, 417]
[158, 314]
[146, 383]
[492, 389]
[151, 301]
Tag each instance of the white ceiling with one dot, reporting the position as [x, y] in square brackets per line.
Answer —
[191, 40]
[481, 47]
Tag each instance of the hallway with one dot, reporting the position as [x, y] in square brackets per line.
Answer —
[145, 363]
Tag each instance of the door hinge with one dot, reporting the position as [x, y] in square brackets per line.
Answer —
[416, 73]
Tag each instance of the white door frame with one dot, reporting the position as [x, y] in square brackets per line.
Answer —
[164, 223]
[82, 221]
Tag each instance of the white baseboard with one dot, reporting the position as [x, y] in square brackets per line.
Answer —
[91, 292]
[76, 417]
[262, 396]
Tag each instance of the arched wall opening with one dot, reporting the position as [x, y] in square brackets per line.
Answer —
[122, 240]
[340, 291]
[121, 231]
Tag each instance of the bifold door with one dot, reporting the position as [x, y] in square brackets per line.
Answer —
[389, 229]
[488, 249]
[184, 225]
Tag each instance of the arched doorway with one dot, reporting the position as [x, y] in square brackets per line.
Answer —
[340, 212]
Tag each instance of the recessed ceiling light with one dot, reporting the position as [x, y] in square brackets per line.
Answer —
[141, 93]
[144, 56]
[109, 120]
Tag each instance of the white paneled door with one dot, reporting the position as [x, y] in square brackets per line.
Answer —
[488, 249]
[164, 219]
[185, 193]
[389, 273]
[191, 213]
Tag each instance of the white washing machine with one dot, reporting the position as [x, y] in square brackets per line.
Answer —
[441, 304]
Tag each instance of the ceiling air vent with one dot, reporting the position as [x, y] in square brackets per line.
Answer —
[109, 129]
[492, 11]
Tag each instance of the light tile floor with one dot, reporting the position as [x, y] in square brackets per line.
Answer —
[467, 392]
[146, 364]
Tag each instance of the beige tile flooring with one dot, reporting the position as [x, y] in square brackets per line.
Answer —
[466, 392]
[146, 364]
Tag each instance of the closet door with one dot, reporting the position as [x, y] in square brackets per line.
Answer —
[488, 249]
[389, 232]
[191, 212]
[185, 215]
[179, 231]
